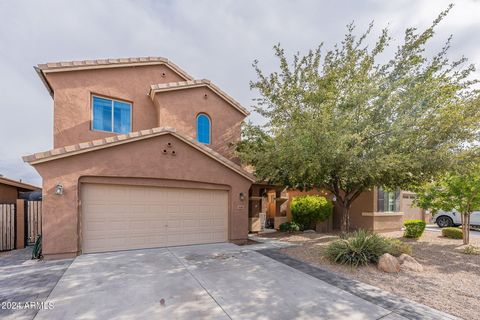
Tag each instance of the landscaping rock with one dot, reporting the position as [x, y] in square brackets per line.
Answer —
[409, 263]
[309, 231]
[388, 263]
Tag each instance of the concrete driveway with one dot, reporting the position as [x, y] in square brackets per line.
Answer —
[218, 281]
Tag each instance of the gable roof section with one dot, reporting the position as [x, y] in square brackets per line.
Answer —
[18, 184]
[64, 66]
[90, 146]
[163, 87]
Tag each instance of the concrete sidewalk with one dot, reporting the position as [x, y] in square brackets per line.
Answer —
[23, 280]
[218, 281]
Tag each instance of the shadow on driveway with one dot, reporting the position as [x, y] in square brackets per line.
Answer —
[23, 280]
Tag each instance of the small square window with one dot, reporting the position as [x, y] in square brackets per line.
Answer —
[111, 115]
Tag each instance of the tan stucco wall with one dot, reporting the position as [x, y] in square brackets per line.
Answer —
[72, 98]
[8, 194]
[179, 109]
[364, 203]
[386, 222]
[142, 159]
[410, 211]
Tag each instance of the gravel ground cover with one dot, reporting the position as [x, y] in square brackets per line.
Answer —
[450, 281]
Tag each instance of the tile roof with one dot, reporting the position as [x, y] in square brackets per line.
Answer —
[84, 147]
[162, 87]
[18, 184]
[63, 66]
[109, 63]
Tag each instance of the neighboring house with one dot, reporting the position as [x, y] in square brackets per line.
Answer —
[143, 157]
[376, 210]
[11, 190]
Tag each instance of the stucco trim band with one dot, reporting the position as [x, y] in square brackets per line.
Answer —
[127, 138]
[382, 214]
[163, 87]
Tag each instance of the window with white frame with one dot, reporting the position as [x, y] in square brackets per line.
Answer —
[111, 115]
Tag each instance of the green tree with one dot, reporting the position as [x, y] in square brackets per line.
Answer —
[458, 191]
[353, 119]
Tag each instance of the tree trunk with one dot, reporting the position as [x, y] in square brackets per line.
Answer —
[466, 228]
[345, 217]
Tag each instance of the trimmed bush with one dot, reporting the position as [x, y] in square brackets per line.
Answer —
[452, 233]
[396, 247]
[289, 227]
[307, 210]
[414, 228]
[357, 248]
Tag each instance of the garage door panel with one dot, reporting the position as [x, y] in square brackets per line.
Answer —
[130, 217]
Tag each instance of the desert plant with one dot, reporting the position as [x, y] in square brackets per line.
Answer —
[307, 210]
[452, 233]
[37, 248]
[357, 248]
[471, 250]
[289, 227]
[396, 247]
[414, 228]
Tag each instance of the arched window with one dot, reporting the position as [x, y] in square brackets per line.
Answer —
[203, 128]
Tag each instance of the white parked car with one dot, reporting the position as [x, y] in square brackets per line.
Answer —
[453, 218]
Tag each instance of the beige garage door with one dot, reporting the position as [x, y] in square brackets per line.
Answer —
[131, 217]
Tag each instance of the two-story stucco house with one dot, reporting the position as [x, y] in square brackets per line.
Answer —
[142, 158]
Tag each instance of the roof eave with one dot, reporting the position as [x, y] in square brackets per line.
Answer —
[113, 141]
[19, 184]
[41, 74]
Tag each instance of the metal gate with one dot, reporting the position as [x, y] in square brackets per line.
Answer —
[7, 227]
[33, 220]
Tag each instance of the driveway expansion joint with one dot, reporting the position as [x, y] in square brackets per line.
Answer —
[199, 283]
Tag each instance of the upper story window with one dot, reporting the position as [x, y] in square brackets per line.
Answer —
[111, 115]
[203, 129]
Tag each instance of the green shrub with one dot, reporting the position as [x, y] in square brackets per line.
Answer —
[414, 228]
[471, 250]
[357, 248]
[289, 227]
[452, 233]
[307, 210]
[396, 247]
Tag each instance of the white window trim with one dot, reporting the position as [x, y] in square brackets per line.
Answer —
[113, 114]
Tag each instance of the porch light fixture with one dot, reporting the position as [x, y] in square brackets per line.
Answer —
[59, 189]
[242, 196]
[334, 198]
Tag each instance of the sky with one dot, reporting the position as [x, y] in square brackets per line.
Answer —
[213, 39]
